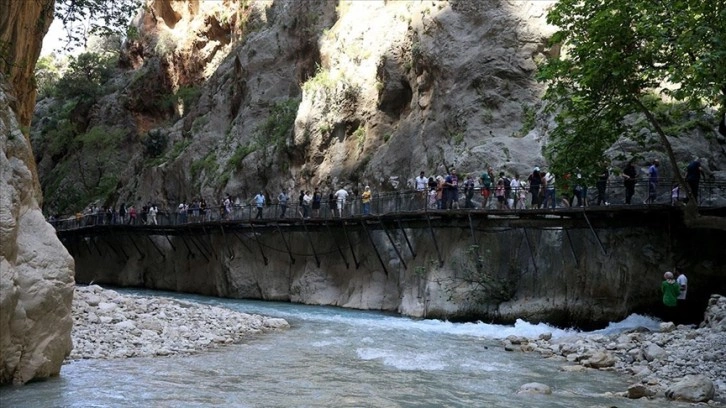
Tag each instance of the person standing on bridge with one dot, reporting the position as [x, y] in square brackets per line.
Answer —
[421, 188]
[366, 200]
[653, 181]
[630, 176]
[340, 196]
[259, 203]
[282, 200]
[153, 210]
[693, 177]
[317, 199]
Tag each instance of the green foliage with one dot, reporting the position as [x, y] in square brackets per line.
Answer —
[178, 148]
[617, 52]
[528, 120]
[208, 165]
[47, 74]
[85, 77]
[94, 17]
[278, 126]
[242, 151]
[166, 44]
[188, 95]
[360, 137]
[155, 142]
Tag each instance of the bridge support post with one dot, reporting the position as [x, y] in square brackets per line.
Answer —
[340, 251]
[264, 258]
[373, 244]
[307, 234]
[143, 255]
[190, 253]
[593, 232]
[405, 236]
[230, 252]
[395, 248]
[572, 248]
[126, 257]
[156, 247]
[242, 242]
[433, 236]
[350, 244]
[531, 253]
[292, 259]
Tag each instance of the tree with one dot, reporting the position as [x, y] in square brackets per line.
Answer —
[616, 53]
[82, 18]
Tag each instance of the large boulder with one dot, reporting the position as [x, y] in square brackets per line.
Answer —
[692, 388]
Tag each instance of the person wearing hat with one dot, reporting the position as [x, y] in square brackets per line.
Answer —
[366, 200]
[671, 290]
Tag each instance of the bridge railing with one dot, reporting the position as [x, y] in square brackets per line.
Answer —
[711, 193]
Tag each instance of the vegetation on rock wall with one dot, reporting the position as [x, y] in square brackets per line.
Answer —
[618, 55]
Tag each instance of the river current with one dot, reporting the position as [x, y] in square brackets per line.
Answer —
[333, 357]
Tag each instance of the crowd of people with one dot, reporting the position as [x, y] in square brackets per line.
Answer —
[488, 190]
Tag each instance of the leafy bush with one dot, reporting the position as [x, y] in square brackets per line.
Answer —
[155, 143]
[85, 77]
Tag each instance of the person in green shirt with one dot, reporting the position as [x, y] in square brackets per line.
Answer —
[670, 289]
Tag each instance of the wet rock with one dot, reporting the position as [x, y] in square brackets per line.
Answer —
[535, 388]
[692, 388]
[636, 391]
[600, 360]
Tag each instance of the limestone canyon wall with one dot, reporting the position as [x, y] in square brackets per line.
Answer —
[36, 271]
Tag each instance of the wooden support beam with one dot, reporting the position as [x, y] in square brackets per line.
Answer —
[572, 248]
[196, 245]
[337, 245]
[373, 244]
[433, 236]
[230, 252]
[471, 229]
[307, 234]
[392, 243]
[350, 244]
[292, 259]
[593, 232]
[93, 242]
[244, 244]
[405, 236]
[131, 238]
[170, 243]
[531, 252]
[108, 244]
[156, 247]
[186, 244]
[264, 258]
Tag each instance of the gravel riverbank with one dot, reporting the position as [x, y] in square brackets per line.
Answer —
[684, 363]
[109, 325]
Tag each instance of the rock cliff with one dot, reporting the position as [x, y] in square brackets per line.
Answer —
[36, 271]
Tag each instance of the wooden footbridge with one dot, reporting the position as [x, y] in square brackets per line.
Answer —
[190, 232]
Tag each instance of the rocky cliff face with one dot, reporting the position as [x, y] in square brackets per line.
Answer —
[294, 94]
[36, 271]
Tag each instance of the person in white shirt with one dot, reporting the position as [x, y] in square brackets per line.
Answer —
[340, 197]
[683, 311]
[422, 183]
